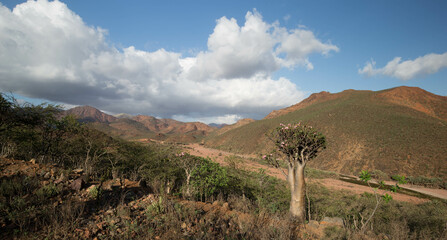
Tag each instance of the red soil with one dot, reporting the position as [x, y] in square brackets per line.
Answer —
[219, 156]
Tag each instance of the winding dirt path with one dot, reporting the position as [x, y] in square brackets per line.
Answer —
[219, 156]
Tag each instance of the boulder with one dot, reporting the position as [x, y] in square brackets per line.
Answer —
[313, 223]
[77, 184]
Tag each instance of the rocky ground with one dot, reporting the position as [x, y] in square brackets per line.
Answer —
[124, 209]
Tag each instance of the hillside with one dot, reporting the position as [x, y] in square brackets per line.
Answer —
[399, 131]
[239, 123]
[90, 114]
[136, 127]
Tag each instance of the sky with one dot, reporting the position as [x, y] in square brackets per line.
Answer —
[216, 61]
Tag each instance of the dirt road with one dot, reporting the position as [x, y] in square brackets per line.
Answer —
[219, 156]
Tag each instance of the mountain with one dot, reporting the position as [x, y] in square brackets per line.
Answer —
[239, 123]
[217, 125]
[168, 126]
[417, 99]
[399, 131]
[314, 98]
[90, 114]
[137, 127]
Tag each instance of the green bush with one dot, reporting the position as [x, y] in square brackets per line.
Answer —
[48, 191]
[266, 193]
[209, 178]
[428, 182]
[379, 175]
[94, 192]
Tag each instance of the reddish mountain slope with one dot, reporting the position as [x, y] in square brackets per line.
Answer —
[312, 99]
[170, 126]
[417, 99]
[90, 114]
[141, 126]
[399, 131]
[239, 123]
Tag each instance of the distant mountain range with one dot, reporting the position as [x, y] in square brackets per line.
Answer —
[401, 130]
[137, 127]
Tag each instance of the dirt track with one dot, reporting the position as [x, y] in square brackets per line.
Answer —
[219, 156]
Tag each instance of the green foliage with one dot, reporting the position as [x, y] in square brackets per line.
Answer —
[365, 176]
[267, 194]
[400, 179]
[18, 203]
[428, 182]
[394, 188]
[94, 192]
[155, 165]
[384, 134]
[386, 197]
[48, 191]
[379, 175]
[411, 221]
[298, 141]
[155, 208]
[209, 178]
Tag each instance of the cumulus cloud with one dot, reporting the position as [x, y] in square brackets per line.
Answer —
[47, 51]
[406, 70]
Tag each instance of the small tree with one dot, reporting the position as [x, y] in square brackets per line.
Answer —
[188, 163]
[299, 144]
[208, 178]
[365, 176]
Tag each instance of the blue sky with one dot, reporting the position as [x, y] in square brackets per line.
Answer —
[190, 61]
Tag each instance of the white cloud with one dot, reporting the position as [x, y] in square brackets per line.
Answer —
[406, 70]
[298, 44]
[235, 51]
[47, 51]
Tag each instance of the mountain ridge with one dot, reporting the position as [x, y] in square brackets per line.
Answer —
[365, 130]
[132, 127]
[90, 114]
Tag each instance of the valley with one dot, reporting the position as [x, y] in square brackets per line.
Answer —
[95, 175]
[335, 182]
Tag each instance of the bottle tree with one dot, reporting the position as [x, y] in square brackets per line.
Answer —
[298, 143]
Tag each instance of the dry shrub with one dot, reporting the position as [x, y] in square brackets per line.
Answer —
[64, 219]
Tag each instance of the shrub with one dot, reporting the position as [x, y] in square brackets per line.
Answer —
[208, 178]
[379, 175]
[427, 182]
[48, 191]
[234, 161]
[94, 192]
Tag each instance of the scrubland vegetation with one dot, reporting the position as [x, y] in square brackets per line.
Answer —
[222, 203]
[362, 131]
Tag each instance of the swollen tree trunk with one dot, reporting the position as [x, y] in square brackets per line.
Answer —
[188, 180]
[298, 191]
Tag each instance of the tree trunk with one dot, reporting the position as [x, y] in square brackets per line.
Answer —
[188, 179]
[298, 191]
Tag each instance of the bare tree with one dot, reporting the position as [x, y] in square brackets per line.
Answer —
[298, 144]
